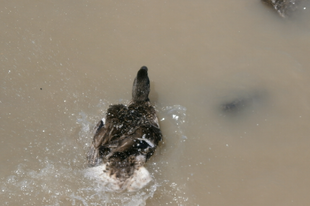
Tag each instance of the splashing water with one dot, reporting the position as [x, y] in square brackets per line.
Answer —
[56, 176]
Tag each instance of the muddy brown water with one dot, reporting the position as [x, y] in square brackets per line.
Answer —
[230, 82]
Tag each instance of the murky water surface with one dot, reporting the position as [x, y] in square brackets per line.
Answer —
[230, 82]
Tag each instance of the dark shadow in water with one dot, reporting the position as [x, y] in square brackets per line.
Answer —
[242, 104]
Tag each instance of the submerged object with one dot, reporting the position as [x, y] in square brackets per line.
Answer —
[241, 103]
[284, 7]
[125, 140]
[235, 105]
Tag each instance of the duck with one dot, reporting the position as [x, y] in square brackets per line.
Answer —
[284, 7]
[125, 140]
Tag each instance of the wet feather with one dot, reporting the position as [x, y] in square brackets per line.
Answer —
[127, 139]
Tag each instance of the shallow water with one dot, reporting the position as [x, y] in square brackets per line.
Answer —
[229, 82]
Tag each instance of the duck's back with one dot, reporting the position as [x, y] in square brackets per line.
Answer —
[125, 140]
[132, 130]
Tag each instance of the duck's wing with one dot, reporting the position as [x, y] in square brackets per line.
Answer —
[143, 140]
[111, 128]
[101, 136]
[105, 131]
[93, 156]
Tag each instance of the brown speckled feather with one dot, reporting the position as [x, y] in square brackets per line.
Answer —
[127, 132]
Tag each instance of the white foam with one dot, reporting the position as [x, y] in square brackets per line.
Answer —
[140, 179]
[137, 181]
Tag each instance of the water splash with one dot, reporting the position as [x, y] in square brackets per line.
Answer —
[57, 177]
[176, 114]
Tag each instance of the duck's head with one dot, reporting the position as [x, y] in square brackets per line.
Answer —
[141, 86]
